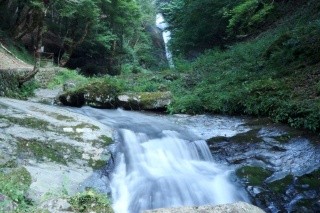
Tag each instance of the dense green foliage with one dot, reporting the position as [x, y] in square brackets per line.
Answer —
[98, 36]
[275, 74]
[200, 25]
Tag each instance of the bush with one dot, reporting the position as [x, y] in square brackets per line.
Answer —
[91, 201]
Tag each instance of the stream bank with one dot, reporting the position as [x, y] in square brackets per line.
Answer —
[59, 152]
[277, 165]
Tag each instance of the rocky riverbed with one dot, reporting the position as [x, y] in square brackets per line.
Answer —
[52, 151]
[278, 166]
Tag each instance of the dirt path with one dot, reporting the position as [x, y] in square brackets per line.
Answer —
[8, 61]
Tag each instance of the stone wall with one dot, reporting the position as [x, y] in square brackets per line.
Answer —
[9, 81]
[45, 75]
[9, 78]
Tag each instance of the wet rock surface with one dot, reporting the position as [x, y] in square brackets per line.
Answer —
[61, 150]
[278, 166]
[238, 207]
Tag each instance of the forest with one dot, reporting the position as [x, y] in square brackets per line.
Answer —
[96, 117]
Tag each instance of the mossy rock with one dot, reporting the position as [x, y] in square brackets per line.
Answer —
[145, 100]
[50, 150]
[254, 176]
[280, 186]
[312, 180]
[96, 94]
[75, 99]
[91, 201]
[217, 139]
[250, 136]
[15, 183]
[106, 140]
[101, 94]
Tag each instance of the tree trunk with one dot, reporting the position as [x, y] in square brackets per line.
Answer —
[36, 67]
[68, 53]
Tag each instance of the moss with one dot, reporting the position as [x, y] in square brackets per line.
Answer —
[9, 164]
[280, 186]
[147, 98]
[91, 201]
[55, 115]
[29, 122]
[312, 180]
[97, 164]
[15, 183]
[86, 125]
[217, 139]
[250, 136]
[283, 138]
[307, 203]
[106, 140]
[56, 152]
[255, 176]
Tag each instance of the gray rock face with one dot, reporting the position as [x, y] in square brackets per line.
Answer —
[60, 149]
[238, 207]
[56, 206]
[278, 166]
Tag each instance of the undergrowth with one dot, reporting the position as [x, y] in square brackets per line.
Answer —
[16, 48]
[276, 75]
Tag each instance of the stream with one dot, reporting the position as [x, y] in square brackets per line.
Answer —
[159, 163]
[164, 161]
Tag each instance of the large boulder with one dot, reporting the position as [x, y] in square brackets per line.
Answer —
[145, 100]
[109, 97]
[97, 94]
[238, 207]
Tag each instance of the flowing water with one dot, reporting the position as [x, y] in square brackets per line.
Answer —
[159, 163]
[166, 35]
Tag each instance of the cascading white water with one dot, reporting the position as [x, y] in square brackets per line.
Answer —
[166, 34]
[160, 164]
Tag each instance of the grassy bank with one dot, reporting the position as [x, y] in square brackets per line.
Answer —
[276, 74]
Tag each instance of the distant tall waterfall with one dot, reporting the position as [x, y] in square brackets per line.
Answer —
[166, 34]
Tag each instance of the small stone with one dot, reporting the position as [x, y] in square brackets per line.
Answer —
[68, 129]
[83, 130]
[6, 204]
[56, 206]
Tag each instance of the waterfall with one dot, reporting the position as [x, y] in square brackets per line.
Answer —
[166, 34]
[161, 164]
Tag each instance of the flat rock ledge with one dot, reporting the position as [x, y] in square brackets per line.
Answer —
[60, 150]
[238, 207]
